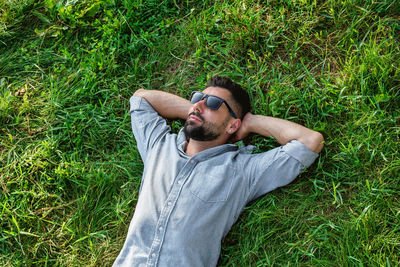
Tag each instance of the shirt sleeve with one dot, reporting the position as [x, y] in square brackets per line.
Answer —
[277, 167]
[147, 125]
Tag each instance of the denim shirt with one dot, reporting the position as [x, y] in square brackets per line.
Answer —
[186, 205]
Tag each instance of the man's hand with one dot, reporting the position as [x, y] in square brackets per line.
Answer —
[244, 130]
[282, 130]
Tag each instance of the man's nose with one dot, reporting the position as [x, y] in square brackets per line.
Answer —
[200, 105]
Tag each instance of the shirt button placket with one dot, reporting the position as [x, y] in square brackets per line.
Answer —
[163, 217]
[165, 214]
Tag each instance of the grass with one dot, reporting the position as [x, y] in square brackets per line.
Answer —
[69, 168]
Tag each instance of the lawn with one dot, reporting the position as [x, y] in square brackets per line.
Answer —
[69, 168]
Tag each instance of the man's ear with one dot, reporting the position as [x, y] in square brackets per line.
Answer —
[234, 126]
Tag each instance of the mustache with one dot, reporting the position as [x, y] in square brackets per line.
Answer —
[197, 115]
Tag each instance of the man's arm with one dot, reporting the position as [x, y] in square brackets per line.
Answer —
[282, 130]
[167, 105]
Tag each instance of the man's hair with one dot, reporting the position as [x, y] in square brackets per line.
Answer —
[240, 96]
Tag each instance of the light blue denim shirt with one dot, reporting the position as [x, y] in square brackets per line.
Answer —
[188, 204]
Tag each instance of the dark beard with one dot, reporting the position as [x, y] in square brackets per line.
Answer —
[198, 133]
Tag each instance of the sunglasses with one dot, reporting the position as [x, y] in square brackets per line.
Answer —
[212, 101]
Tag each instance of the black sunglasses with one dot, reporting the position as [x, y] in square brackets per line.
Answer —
[212, 101]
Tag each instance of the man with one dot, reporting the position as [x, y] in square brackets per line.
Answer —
[195, 184]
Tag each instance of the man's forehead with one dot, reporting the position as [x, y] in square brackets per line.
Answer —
[218, 91]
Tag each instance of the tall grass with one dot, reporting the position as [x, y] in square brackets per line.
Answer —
[69, 168]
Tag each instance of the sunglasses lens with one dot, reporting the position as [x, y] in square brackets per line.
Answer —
[196, 97]
[214, 102]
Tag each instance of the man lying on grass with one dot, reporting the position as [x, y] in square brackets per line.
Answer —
[196, 183]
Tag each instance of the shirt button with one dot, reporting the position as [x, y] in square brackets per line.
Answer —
[169, 203]
[160, 229]
[153, 255]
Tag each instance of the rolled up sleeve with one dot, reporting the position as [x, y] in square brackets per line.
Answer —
[147, 125]
[278, 167]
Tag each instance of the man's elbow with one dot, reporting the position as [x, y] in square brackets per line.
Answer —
[313, 140]
[140, 93]
[317, 142]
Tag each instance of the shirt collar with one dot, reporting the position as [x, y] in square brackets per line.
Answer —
[206, 154]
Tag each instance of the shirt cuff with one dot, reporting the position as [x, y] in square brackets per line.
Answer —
[135, 102]
[138, 103]
[300, 152]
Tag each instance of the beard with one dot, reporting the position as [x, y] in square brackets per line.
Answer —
[202, 132]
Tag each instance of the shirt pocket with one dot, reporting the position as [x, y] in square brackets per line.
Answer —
[213, 184]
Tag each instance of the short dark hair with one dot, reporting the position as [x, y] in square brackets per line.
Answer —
[239, 95]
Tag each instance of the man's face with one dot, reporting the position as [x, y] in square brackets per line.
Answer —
[205, 124]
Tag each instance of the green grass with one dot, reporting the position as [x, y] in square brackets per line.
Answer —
[69, 168]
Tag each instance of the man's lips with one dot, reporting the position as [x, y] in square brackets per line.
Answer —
[195, 117]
